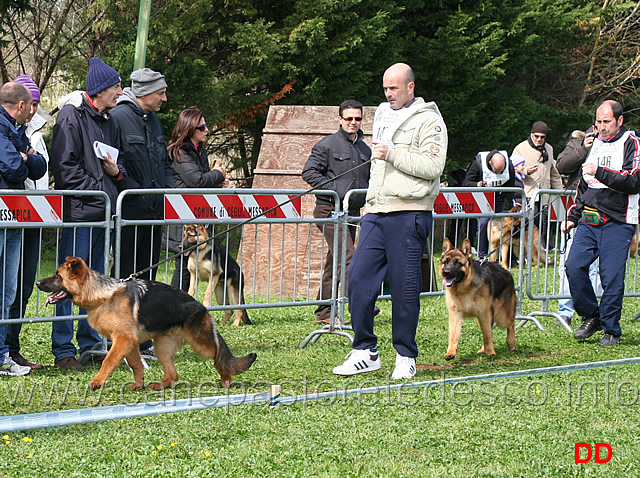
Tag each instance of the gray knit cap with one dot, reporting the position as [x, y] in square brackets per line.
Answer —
[145, 81]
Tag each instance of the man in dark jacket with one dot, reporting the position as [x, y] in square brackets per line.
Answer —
[330, 157]
[18, 161]
[146, 160]
[82, 120]
[605, 216]
[491, 169]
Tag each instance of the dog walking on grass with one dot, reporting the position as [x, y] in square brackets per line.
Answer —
[132, 312]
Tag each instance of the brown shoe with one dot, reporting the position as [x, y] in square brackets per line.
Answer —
[69, 363]
[20, 360]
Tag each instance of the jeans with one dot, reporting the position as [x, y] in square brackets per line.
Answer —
[565, 306]
[26, 277]
[88, 244]
[610, 243]
[10, 240]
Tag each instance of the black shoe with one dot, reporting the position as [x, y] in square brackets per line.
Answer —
[590, 325]
[563, 318]
[608, 339]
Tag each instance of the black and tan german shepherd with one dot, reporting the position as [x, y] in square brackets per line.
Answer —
[211, 264]
[134, 311]
[473, 289]
[504, 233]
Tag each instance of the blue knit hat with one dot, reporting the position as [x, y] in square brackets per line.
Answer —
[101, 76]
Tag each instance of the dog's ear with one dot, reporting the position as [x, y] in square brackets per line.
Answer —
[74, 264]
[466, 247]
[446, 246]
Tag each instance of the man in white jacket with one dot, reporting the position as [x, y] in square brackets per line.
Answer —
[409, 153]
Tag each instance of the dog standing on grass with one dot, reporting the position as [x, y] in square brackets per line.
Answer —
[473, 289]
[210, 263]
[132, 312]
[504, 233]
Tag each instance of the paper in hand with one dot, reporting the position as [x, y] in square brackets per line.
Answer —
[102, 149]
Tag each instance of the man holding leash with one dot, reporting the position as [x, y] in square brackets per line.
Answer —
[605, 217]
[331, 156]
[409, 153]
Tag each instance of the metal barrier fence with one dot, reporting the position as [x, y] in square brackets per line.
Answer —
[455, 213]
[38, 215]
[548, 282]
[276, 254]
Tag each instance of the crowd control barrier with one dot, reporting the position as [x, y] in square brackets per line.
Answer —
[39, 216]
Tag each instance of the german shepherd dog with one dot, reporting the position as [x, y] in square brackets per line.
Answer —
[132, 312]
[473, 289]
[500, 232]
[210, 263]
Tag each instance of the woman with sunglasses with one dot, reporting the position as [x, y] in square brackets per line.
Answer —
[191, 169]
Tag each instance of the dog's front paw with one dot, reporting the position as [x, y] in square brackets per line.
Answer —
[449, 356]
[157, 386]
[95, 384]
[136, 386]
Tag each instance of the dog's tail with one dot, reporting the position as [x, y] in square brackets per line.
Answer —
[225, 362]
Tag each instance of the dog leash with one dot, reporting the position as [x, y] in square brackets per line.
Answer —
[235, 226]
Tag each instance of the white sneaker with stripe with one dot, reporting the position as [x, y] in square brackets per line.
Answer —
[359, 361]
[405, 368]
[9, 367]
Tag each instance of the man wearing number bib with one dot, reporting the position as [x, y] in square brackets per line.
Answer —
[605, 216]
[409, 153]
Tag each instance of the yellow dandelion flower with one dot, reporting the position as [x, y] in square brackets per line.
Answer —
[154, 453]
[207, 453]
[174, 443]
[27, 440]
[8, 442]
[5, 437]
[30, 455]
[159, 447]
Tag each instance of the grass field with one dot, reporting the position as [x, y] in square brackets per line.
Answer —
[509, 427]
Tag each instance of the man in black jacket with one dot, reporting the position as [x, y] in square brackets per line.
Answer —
[330, 157]
[82, 120]
[146, 160]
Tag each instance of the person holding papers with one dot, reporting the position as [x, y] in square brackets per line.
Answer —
[409, 153]
[84, 119]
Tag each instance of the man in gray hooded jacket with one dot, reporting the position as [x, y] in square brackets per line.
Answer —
[146, 159]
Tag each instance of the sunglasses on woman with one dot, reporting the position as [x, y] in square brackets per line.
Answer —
[202, 127]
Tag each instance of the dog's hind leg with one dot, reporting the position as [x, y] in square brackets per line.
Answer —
[207, 342]
[165, 348]
[455, 329]
[121, 347]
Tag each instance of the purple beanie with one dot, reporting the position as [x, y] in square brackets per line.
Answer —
[33, 88]
[101, 76]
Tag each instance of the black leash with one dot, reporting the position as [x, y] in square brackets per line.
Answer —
[235, 226]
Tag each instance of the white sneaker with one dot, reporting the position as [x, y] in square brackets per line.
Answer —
[359, 361]
[9, 367]
[405, 368]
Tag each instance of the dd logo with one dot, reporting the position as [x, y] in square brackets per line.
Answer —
[598, 456]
